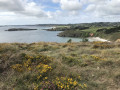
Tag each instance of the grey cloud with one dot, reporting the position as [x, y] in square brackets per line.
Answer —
[71, 5]
[23, 7]
[11, 5]
[104, 8]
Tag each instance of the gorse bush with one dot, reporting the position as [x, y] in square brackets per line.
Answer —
[40, 76]
[103, 45]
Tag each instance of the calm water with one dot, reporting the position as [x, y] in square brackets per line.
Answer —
[31, 36]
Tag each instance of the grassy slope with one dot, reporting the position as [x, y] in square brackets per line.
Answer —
[98, 64]
[86, 33]
[111, 37]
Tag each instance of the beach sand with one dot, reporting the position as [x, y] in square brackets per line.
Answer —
[98, 39]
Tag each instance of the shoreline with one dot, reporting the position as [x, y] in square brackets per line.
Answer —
[97, 39]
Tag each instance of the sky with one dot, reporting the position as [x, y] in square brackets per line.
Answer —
[21, 12]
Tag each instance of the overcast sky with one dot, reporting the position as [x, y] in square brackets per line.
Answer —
[58, 11]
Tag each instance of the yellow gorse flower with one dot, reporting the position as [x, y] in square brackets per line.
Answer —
[46, 77]
[39, 65]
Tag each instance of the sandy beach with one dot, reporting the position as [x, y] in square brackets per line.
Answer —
[97, 39]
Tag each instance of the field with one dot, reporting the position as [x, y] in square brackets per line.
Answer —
[60, 66]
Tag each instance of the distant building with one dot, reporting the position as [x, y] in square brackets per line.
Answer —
[91, 34]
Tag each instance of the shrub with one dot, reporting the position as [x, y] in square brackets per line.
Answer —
[69, 41]
[70, 60]
[37, 71]
[103, 45]
[85, 40]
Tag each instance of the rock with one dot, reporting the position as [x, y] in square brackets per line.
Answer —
[20, 29]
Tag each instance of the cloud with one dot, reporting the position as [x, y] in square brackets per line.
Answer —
[55, 1]
[71, 5]
[23, 7]
[67, 11]
[11, 5]
[31, 9]
[105, 8]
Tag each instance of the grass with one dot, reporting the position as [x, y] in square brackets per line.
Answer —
[60, 66]
[111, 33]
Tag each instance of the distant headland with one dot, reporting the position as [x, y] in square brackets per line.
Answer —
[20, 29]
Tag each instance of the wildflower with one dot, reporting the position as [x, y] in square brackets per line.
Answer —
[36, 88]
[75, 83]
[29, 68]
[46, 77]
[85, 85]
[38, 77]
[61, 87]
[79, 77]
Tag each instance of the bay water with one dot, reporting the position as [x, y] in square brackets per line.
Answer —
[38, 35]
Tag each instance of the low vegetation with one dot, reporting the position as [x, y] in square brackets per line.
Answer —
[60, 66]
[109, 31]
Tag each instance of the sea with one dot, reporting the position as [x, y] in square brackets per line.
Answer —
[39, 35]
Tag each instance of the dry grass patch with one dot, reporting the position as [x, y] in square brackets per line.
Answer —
[98, 68]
